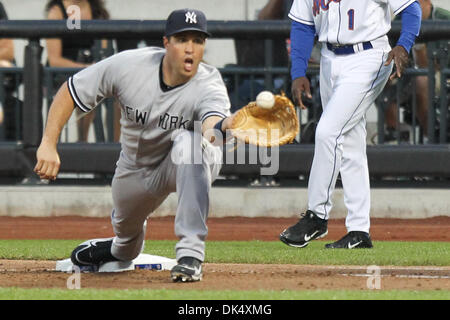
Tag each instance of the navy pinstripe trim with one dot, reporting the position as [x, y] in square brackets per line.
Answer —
[340, 134]
[75, 97]
[311, 23]
[407, 3]
[213, 113]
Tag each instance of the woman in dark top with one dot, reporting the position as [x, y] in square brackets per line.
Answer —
[71, 52]
[77, 52]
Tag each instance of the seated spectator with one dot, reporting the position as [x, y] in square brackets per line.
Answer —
[74, 53]
[251, 53]
[10, 107]
[420, 60]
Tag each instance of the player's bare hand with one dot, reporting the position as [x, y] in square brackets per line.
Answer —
[48, 162]
[400, 57]
[301, 86]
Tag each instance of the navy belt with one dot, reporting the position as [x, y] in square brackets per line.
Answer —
[350, 48]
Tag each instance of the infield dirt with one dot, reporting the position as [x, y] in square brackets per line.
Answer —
[38, 274]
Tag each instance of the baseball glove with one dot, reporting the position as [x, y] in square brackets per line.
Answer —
[266, 127]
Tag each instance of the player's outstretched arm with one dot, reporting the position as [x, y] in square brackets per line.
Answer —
[218, 123]
[48, 162]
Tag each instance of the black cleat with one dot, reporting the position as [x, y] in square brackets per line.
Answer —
[309, 227]
[93, 253]
[188, 269]
[352, 240]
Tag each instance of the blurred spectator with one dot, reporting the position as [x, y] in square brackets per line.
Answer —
[3, 16]
[279, 10]
[251, 53]
[6, 45]
[77, 52]
[420, 60]
[10, 106]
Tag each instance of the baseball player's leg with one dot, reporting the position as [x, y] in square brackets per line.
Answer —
[355, 178]
[316, 191]
[195, 164]
[136, 192]
[353, 94]
[354, 168]
[325, 166]
[312, 226]
[134, 199]
[192, 211]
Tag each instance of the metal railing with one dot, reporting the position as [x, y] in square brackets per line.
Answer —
[10, 80]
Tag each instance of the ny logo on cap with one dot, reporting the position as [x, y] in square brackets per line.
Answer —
[191, 17]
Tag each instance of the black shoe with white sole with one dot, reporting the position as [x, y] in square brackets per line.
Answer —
[309, 227]
[93, 253]
[188, 269]
[352, 240]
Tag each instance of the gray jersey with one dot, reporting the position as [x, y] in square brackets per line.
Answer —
[149, 114]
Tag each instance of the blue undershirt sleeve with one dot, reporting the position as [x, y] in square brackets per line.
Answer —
[302, 42]
[411, 20]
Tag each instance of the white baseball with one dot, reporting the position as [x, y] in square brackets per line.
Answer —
[265, 99]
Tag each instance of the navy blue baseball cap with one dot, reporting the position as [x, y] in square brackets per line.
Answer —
[186, 20]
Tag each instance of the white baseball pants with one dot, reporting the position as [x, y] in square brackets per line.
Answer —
[349, 84]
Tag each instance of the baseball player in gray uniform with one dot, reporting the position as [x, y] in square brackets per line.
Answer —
[165, 94]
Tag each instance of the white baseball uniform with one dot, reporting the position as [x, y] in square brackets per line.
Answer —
[352, 75]
[161, 153]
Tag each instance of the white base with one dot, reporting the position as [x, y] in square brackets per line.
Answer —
[143, 261]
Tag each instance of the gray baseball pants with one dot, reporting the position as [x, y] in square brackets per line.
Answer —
[190, 168]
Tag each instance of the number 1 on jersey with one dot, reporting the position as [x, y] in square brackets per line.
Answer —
[351, 19]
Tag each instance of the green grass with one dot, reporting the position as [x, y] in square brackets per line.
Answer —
[383, 253]
[95, 294]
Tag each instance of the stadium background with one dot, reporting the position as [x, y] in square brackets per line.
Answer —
[28, 211]
[95, 201]
[219, 52]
